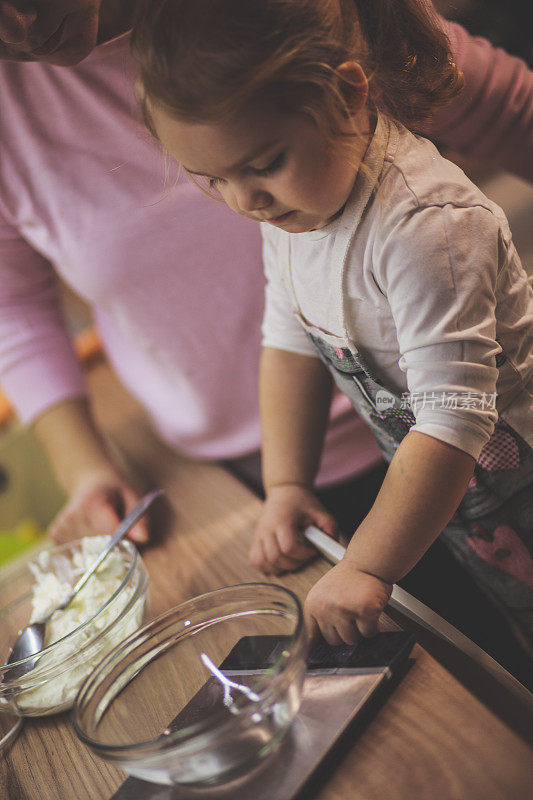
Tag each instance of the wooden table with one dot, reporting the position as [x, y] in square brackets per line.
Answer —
[431, 739]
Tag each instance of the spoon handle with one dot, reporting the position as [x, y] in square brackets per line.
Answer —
[127, 523]
[423, 616]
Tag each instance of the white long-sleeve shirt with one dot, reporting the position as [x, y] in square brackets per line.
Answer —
[420, 276]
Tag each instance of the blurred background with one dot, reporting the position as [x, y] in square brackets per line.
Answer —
[506, 23]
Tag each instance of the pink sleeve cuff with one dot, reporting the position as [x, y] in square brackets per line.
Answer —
[45, 379]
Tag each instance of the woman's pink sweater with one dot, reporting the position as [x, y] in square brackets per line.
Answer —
[174, 279]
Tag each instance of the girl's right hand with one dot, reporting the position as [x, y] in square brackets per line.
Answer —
[98, 503]
[278, 545]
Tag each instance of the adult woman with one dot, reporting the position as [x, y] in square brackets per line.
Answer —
[84, 193]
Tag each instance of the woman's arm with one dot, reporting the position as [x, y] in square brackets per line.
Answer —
[75, 449]
[40, 373]
[491, 121]
[98, 495]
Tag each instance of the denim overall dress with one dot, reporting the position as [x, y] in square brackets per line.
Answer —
[491, 532]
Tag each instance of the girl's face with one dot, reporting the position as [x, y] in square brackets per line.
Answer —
[268, 166]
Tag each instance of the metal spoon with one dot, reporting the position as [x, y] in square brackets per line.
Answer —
[30, 640]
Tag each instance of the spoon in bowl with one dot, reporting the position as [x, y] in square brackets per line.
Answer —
[30, 640]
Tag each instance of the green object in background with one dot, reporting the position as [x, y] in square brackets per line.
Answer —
[29, 495]
[24, 535]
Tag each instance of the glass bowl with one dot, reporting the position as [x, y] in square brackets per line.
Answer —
[52, 685]
[169, 706]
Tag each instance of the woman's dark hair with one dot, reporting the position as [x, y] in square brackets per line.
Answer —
[205, 60]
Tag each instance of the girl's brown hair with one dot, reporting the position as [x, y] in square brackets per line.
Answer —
[205, 60]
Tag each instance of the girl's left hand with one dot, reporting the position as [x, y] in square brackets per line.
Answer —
[345, 604]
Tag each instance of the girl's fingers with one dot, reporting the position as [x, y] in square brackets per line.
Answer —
[319, 626]
[267, 556]
[291, 545]
[369, 613]
[287, 564]
[368, 626]
[256, 556]
[326, 523]
[268, 563]
[335, 632]
[291, 552]
[348, 630]
[271, 550]
[330, 634]
[313, 631]
[271, 562]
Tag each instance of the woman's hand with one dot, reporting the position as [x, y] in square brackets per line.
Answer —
[278, 545]
[101, 499]
[345, 604]
[99, 496]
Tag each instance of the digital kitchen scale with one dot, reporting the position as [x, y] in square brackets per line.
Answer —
[339, 683]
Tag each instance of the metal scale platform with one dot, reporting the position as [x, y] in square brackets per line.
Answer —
[339, 683]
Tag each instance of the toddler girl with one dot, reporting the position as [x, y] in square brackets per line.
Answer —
[387, 270]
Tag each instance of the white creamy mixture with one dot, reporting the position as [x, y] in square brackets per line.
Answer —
[53, 582]
[51, 588]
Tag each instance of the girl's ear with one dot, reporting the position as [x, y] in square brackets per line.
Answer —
[353, 85]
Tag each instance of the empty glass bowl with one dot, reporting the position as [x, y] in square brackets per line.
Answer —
[202, 693]
[53, 683]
